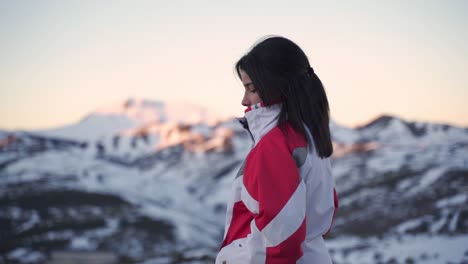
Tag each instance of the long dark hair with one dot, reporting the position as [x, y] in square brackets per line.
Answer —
[280, 71]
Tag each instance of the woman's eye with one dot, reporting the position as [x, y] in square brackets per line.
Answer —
[252, 89]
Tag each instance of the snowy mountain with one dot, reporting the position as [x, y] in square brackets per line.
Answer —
[149, 181]
[129, 115]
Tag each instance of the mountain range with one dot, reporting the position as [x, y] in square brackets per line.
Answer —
[148, 181]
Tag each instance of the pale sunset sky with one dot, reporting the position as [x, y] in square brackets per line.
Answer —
[60, 60]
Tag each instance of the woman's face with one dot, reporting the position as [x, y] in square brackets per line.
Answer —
[250, 94]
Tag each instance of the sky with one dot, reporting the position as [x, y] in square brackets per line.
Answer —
[61, 60]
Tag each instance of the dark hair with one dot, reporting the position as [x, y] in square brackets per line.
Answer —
[280, 71]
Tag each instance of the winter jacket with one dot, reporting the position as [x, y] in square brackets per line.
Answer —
[282, 199]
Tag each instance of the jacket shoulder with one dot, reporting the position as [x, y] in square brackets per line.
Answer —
[285, 137]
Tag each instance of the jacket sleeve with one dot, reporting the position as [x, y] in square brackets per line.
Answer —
[281, 195]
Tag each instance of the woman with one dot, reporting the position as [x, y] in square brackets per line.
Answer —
[283, 198]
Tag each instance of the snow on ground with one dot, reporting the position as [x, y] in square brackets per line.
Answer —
[427, 179]
[25, 255]
[424, 249]
[162, 192]
[451, 201]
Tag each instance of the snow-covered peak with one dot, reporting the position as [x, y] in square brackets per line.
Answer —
[131, 115]
[144, 111]
[388, 129]
[395, 130]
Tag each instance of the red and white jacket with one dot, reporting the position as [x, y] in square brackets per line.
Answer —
[282, 199]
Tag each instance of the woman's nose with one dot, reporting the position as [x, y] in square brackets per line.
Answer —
[245, 100]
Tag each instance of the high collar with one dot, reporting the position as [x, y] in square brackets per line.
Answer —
[259, 119]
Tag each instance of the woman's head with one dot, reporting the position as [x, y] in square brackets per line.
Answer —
[279, 71]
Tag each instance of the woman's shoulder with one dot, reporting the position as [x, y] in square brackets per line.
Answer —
[283, 136]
